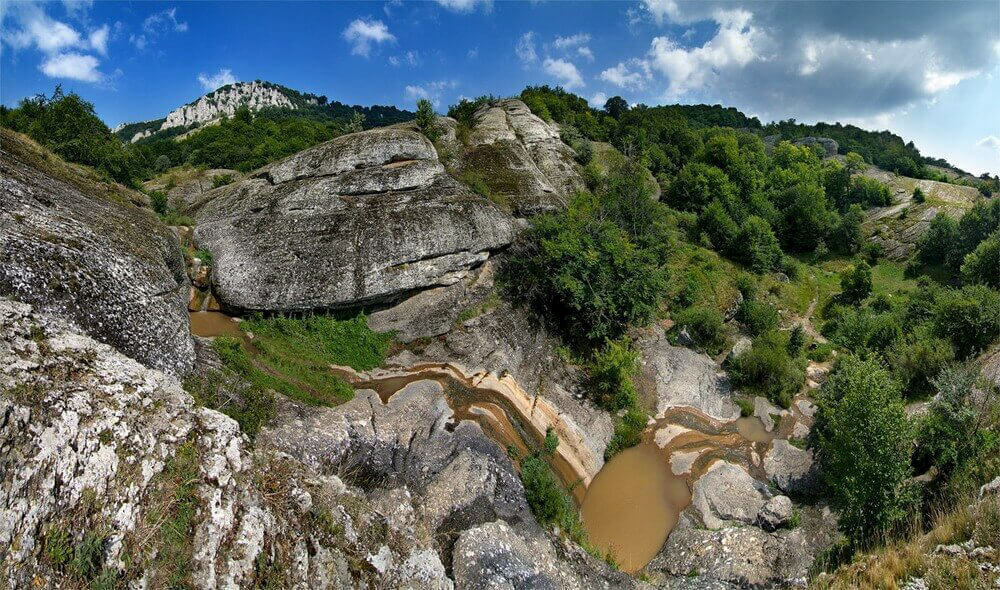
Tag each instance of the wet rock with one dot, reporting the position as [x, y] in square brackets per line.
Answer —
[683, 377]
[776, 513]
[791, 468]
[109, 267]
[727, 493]
[369, 217]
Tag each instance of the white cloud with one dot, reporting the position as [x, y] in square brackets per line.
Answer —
[936, 81]
[597, 101]
[411, 58]
[564, 43]
[217, 80]
[623, 77]
[567, 74]
[39, 30]
[74, 66]
[990, 141]
[431, 91]
[472, 53]
[98, 40]
[138, 40]
[363, 33]
[734, 45]
[163, 22]
[77, 8]
[585, 53]
[525, 48]
[466, 5]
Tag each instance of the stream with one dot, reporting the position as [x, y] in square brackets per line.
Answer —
[631, 504]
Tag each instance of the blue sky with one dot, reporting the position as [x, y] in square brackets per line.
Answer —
[928, 71]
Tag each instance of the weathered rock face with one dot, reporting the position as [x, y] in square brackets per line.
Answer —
[520, 158]
[225, 101]
[683, 377]
[109, 267]
[727, 493]
[791, 468]
[186, 186]
[367, 217]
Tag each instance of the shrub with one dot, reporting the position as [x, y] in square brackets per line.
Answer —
[756, 245]
[545, 496]
[982, 265]
[161, 164]
[705, 326]
[158, 201]
[249, 404]
[940, 241]
[864, 441]
[969, 318]
[425, 119]
[628, 432]
[917, 360]
[767, 369]
[587, 272]
[918, 195]
[610, 375]
[820, 353]
[222, 180]
[757, 316]
[715, 223]
[856, 283]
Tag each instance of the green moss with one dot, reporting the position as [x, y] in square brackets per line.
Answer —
[251, 406]
[492, 164]
[175, 510]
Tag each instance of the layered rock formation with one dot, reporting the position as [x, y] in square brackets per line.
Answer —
[367, 217]
[519, 157]
[108, 266]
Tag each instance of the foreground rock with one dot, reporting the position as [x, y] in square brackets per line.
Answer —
[107, 265]
[364, 218]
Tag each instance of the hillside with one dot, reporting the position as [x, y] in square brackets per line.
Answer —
[255, 96]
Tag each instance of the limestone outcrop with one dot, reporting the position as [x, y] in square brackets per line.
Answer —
[365, 218]
[520, 158]
[109, 266]
[225, 101]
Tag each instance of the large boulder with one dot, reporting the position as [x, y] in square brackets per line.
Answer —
[727, 493]
[520, 158]
[683, 377]
[107, 265]
[791, 469]
[364, 218]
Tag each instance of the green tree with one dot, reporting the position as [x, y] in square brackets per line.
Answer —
[756, 245]
[162, 163]
[969, 317]
[854, 162]
[715, 223]
[847, 237]
[864, 441]
[610, 376]
[697, 185]
[856, 282]
[425, 119]
[616, 106]
[940, 241]
[982, 265]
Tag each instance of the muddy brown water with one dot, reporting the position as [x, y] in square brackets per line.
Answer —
[632, 505]
[210, 324]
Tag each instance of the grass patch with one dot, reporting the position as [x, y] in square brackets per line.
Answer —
[474, 311]
[294, 355]
[175, 511]
[249, 404]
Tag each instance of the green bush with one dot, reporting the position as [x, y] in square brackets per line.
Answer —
[545, 496]
[610, 375]
[856, 283]
[250, 405]
[820, 353]
[757, 316]
[222, 180]
[864, 441]
[918, 195]
[585, 271]
[982, 265]
[158, 201]
[756, 245]
[705, 326]
[969, 318]
[768, 370]
[917, 360]
[628, 432]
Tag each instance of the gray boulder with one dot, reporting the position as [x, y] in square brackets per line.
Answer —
[108, 266]
[727, 493]
[365, 218]
[792, 469]
[828, 145]
[777, 512]
[683, 377]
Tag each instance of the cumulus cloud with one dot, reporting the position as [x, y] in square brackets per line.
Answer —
[74, 66]
[217, 80]
[585, 53]
[571, 41]
[525, 48]
[466, 5]
[990, 141]
[844, 60]
[362, 33]
[431, 91]
[63, 47]
[597, 101]
[564, 71]
[623, 76]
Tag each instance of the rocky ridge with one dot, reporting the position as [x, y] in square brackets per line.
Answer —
[109, 266]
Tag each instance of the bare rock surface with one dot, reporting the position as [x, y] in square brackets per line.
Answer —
[683, 377]
[363, 218]
[108, 266]
[791, 468]
[520, 158]
[727, 493]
